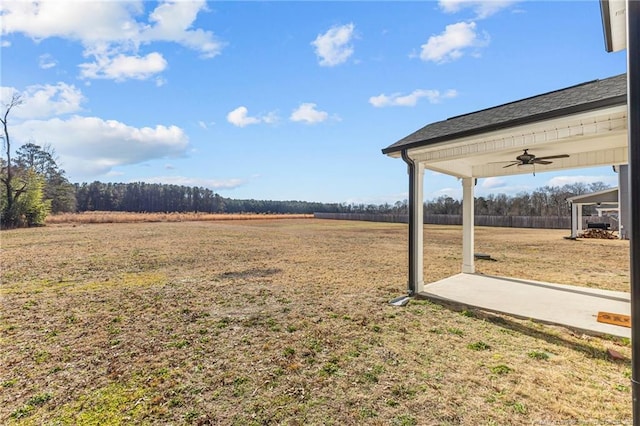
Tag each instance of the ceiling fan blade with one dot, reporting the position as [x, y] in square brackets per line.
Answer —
[539, 161]
[551, 157]
[512, 164]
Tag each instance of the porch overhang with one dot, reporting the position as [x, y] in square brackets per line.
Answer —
[594, 138]
[605, 196]
[588, 122]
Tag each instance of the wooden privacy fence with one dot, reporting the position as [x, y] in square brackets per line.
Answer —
[456, 219]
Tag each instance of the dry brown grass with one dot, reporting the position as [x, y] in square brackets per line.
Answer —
[287, 322]
[126, 217]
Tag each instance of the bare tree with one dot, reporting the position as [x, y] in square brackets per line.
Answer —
[11, 193]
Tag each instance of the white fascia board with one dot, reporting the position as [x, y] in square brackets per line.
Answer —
[614, 22]
[594, 123]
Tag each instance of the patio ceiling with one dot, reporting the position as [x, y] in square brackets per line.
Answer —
[591, 139]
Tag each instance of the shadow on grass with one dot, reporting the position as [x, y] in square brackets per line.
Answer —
[534, 330]
[250, 273]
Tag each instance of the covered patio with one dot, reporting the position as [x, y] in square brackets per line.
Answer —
[576, 127]
[608, 201]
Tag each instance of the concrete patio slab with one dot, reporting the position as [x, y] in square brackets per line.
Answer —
[570, 306]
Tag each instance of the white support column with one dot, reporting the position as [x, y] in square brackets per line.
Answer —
[579, 214]
[417, 239]
[468, 235]
[574, 220]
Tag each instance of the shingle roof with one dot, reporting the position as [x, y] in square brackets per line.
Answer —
[583, 97]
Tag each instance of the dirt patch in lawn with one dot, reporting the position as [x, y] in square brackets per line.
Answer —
[287, 322]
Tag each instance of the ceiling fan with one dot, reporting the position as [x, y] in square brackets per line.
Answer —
[529, 159]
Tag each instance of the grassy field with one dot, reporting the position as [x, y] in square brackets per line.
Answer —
[287, 322]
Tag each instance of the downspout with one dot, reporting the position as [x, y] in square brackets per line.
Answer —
[606, 25]
[574, 225]
[411, 166]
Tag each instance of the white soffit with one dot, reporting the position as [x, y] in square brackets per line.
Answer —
[591, 139]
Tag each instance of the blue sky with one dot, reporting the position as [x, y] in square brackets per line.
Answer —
[283, 100]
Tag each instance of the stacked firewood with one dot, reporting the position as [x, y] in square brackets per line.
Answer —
[602, 234]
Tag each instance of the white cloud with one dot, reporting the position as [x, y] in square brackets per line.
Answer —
[122, 67]
[189, 181]
[449, 45]
[112, 32]
[493, 182]
[42, 101]
[91, 146]
[172, 21]
[46, 61]
[308, 113]
[455, 193]
[397, 99]
[483, 8]
[239, 117]
[5, 43]
[77, 20]
[203, 125]
[566, 180]
[269, 118]
[334, 47]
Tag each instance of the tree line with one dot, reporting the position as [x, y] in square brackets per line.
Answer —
[545, 201]
[157, 197]
[33, 185]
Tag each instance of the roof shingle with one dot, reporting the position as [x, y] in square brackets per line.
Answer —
[575, 99]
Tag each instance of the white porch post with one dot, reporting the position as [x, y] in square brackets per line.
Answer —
[574, 220]
[579, 222]
[417, 229]
[468, 242]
